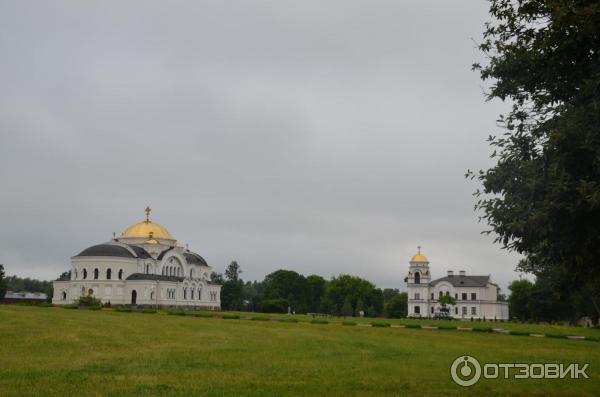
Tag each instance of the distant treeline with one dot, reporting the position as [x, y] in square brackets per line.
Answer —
[344, 295]
[17, 284]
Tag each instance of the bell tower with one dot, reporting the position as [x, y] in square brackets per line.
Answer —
[418, 270]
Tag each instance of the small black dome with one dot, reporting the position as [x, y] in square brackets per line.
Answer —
[107, 250]
[194, 259]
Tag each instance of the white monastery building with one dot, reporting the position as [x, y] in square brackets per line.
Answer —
[476, 296]
[144, 266]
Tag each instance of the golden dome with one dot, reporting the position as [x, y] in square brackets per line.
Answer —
[419, 257]
[147, 229]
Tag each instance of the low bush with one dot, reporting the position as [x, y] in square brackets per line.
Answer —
[380, 324]
[176, 312]
[446, 327]
[89, 301]
[482, 329]
[288, 320]
[260, 318]
[71, 306]
[593, 338]
[318, 321]
[231, 317]
[204, 315]
[519, 333]
[123, 310]
[559, 336]
[149, 311]
[348, 323]
[95, 307]
[412, 325]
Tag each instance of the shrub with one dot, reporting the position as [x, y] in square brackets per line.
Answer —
[71, 306]
[446, 327]
[348, 323]
[149, 311]
[412, 325]
[260, 318]
[89, 301]
[482, 329]
[380, 324]
[519, 333]
[231, 316]
[592, 338]
[205, 315]
[275, 306]
[288, 320]
[107, 305]
[176, 312]
[318, 321]
[95, 307]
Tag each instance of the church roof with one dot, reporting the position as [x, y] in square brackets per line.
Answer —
[107, 250]
[194, 259]
[160, 277]
[464, 281]
[114, 250]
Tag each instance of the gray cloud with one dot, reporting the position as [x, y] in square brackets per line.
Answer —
[326, 137]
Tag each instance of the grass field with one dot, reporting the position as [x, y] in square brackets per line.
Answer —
[58, 352]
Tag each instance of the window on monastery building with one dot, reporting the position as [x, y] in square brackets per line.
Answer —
[432, 296]
[456, 296]
[447, 293]
[84, 274]
[417, 295]
[417, 310]
[440, 294]
[185, 293]
[473, 296]
[474, 310]
[417, 278]
[464, 296]
[199, 293]
[456, 310]
[121, 274]
[96, 273]
[191, 273]
[464, 310]
[108, 274]
[431, 309]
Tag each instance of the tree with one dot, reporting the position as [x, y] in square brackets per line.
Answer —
[397, 307]
[347, 308]
[446, 300]
[288, 285]
[2, 282]
[360, 307]
[518, 301]
[316, 289]
[217, 278]
[354, 288]
[389, 294]
[232, 290]
[542, 197]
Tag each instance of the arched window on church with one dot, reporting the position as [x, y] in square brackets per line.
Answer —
[147, 268]
[84, 274]
[96, 273]
[417, 310]
[185, 293]
[121, 274]
[199, 293]
[191, 273]
[417, 296]
[192, 298]
[417, 278]
[64, 296]
[108, 274]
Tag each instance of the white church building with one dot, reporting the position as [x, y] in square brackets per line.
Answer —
[476, 296]
[144, 266]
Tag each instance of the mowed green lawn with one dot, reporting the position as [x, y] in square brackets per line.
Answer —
[58, 352]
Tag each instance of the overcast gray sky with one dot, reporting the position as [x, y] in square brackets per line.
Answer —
[326, 137]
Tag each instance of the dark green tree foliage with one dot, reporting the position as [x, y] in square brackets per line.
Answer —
[288, 285]
[17, 284]
[232, 290]
[542, 198]
[389, 294]
[354, 288]
[316, 290]
[445, 301]
[397, 307]
[2, 282]
[347, 310]
[518, 301]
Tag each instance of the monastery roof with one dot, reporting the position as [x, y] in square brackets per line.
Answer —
[160, 277]
[464, 281]
[108, 249]
[194, 259]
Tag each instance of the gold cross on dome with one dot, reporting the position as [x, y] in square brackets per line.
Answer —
[419, 249]
[148, 209]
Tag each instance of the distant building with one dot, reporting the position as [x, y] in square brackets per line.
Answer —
[16, 297]
[144, 266]
[476, 296]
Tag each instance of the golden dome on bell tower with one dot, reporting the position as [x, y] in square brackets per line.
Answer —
[419, 257]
